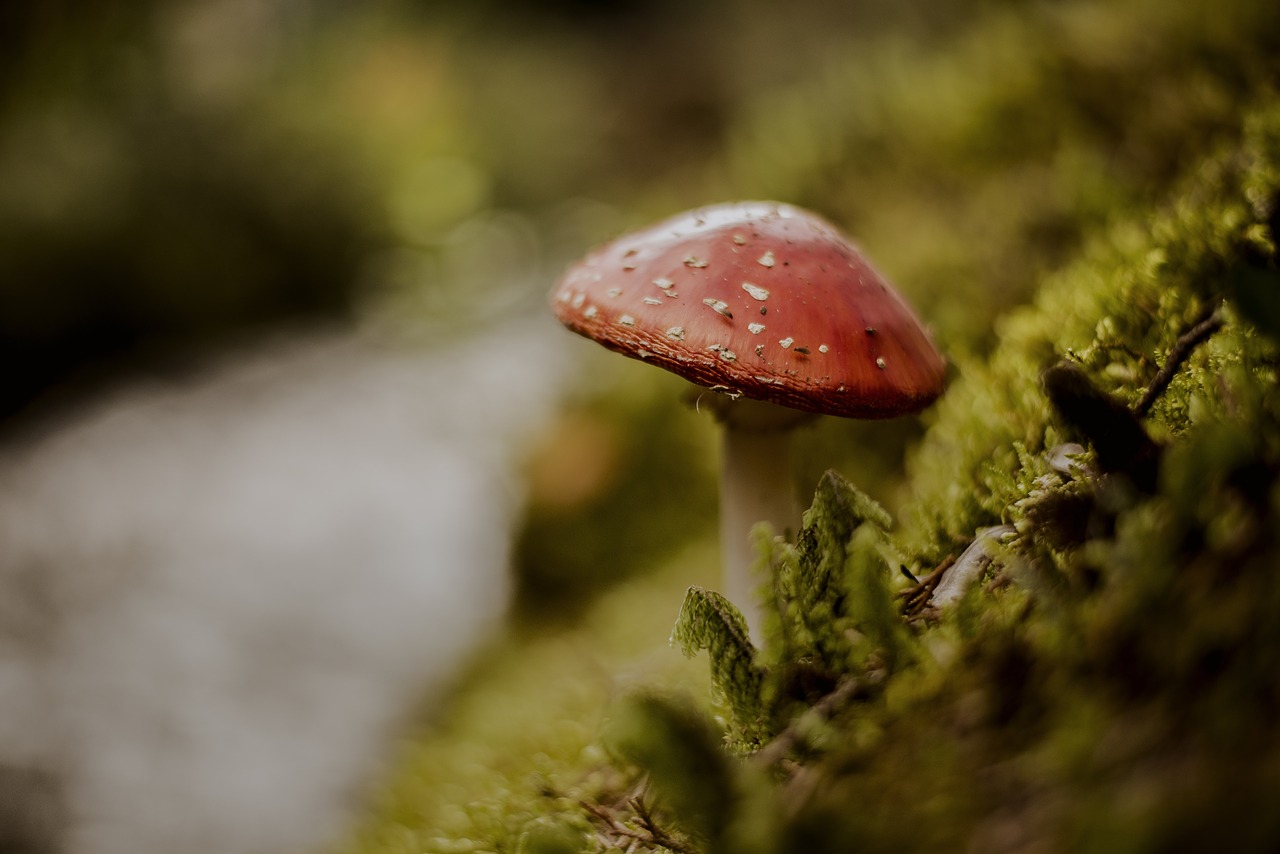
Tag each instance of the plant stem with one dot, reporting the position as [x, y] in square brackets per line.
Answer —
[1209, 322]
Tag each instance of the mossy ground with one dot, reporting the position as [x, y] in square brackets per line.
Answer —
[520, 740]
[1111, 684]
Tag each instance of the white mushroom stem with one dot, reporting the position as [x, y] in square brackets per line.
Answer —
[757, 484]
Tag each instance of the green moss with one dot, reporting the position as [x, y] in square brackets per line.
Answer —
[1116, 313]
[517, 747]
[969, 166]
[710, 622]
[1117, 683]
[680, 752]
[1120, 705]
[1111, 684]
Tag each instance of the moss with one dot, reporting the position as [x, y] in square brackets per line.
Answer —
[473, 781]
[1115, 313]
[710, 622]
[1115, 684]
[1110, 684]
[970, 166]
[1122, 704]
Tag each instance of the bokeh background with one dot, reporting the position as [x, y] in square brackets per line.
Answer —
[288, 440]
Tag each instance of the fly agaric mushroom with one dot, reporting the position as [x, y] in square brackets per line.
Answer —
[770, 306]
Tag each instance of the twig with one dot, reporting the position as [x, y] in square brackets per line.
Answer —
[660, 837]
[915, 598]
[649, 833]
[615, 827]
[775, 751]
[1000, 581]
[1209, 322]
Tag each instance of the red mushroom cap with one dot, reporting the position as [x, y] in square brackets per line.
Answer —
[757, 299]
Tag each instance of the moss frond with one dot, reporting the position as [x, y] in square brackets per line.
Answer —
[710, 622]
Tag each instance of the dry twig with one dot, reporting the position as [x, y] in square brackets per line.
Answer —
[616, 833]
[916, 598]
[847, 690]
[1208, 322]
[661, 837]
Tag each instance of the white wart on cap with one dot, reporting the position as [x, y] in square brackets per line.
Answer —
[761, 300]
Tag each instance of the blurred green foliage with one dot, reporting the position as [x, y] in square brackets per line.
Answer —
[173, 175]
[507, 753]
[1071, 179]
[1113, 686]
[621, 481]
[969, 162]
[1050, 181]
[140, 214]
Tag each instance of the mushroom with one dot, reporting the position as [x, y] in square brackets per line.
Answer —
[773, 308]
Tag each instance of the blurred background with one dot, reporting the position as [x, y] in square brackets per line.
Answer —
[286, 432]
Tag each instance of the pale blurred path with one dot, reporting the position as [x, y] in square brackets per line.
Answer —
[219, 597]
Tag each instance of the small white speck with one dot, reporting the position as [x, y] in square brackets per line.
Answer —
[714, 347]
[760, 350]
[755, 328]
[563, 297]
[766, 260]
[739, 239]
[615, 292]
[880, 363]
[755, 291]
[578, 300]
[676, 333]
[628, 266]
[590, 312]
[728, 355]
[663, 282]
[652, 301]
[823, 348]
[694, 261]
[627, 320]
[671, 294]
[718, 306]
[642, 354]
[787, 342]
